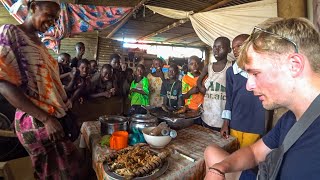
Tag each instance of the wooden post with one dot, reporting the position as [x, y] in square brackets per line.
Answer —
[289, 8]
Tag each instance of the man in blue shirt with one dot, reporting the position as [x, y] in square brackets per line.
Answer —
[282, 60]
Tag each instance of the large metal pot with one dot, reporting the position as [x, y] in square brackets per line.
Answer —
[140, 121]
[110, 124]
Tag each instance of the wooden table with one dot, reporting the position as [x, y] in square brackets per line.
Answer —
[191, 141]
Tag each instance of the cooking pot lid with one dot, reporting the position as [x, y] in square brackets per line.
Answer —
[143, 118]
[161, 114]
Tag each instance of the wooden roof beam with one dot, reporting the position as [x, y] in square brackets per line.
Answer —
[173, 25]
[126, 19]
[181, 37]
[182, 21]
[195, 43]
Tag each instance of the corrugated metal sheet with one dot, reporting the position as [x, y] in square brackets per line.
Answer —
[68, 46]
[106, 48]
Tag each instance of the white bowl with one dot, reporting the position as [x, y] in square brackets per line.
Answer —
[155, 141]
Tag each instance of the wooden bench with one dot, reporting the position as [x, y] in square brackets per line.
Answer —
[15, 169]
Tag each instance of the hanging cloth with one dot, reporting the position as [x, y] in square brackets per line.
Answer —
[74, 19]
[228, 21]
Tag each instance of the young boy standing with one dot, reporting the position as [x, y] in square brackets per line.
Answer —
[243, 112]
[79, 81]
[118, 75]
[190, 92]
[214, 87]
[139, 92]
[102, 84]
[171, 90]
[80, 50]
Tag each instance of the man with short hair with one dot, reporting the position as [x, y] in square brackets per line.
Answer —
[80, 50]
[118, 74]
[282, 62]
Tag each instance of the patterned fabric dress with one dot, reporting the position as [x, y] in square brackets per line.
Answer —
[30, 67]
[155, 87]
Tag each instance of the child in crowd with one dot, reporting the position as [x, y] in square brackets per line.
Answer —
[171, 90]
[117, 72]
[190, 92]
[129, 76]
[64, 68]
[64, 61]
[80, 50]
[155, 81]
[127, 82]
[214, 87]
[93, 67]
[124, 66]
[183, 71]
[102, 84]
[79, 82]
[139, 92]
[243, 112]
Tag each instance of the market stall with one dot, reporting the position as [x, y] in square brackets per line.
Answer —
[190, 142]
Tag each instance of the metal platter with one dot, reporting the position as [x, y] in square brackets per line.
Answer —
[154, 174]
[176, 121]
[160, 113]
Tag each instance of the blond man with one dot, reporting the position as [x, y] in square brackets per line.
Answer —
[282, 62]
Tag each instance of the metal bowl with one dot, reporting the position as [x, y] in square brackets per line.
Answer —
[110, 124]
[140, 121]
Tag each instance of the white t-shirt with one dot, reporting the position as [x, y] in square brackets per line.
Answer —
[215, 97]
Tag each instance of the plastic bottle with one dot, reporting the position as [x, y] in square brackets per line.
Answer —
[173, 133]
[165, 132]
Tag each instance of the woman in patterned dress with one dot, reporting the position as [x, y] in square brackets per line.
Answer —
[29, 80]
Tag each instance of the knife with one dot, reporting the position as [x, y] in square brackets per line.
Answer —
[184, 155]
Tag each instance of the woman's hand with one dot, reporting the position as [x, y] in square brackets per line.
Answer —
[74, 72]
[54, 129]
[68, 105]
